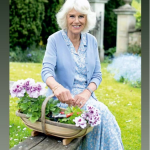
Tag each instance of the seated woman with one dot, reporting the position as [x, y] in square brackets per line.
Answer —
[72, 71]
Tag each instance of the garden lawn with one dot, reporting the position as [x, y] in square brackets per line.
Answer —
[122, 100]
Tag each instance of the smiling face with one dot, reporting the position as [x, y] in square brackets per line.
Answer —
[75, 22]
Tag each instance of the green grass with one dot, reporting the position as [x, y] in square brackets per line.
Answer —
[122, 100]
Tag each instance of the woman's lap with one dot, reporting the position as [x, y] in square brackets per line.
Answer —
[106, 135]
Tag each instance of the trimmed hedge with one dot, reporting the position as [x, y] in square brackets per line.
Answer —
[26, 18]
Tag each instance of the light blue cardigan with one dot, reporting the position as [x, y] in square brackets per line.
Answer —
[58, 62]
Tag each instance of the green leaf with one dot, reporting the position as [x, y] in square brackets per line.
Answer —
[57, 110]
[64, 119]
[35, 108]
[24, 106]
[28, 115]
[33, 119]
[51, 100]
[68, 110]
[52, 109]
[18, 101]
[55, 102]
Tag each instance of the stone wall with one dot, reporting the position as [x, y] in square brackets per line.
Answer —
[135, 37]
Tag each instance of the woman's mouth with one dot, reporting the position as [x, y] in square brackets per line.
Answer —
[77, 26]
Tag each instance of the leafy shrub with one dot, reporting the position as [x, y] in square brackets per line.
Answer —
[137, 5]
[107, 59]
[26, 18]
[109, 55]
[126, 68]
[49, 25]
[110, 23]
[110, 51]
[16, 54]
[135, 49]
[30, 55]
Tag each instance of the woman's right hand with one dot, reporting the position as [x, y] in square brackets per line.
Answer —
[64, 95]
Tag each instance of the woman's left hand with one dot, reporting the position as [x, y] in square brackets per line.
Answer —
[82, 98]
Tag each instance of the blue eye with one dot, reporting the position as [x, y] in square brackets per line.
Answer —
[71, 16]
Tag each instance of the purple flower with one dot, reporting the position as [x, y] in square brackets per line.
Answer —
[91, 119]
[89, 107]
[27, 83]
[33, 91]
[29, 86]
[41, 88]
[17, 90]
[94, 121]
[92, 115]
[85, 115]
[97, 112]
[80, 122]
[21, 82]
[92, 112]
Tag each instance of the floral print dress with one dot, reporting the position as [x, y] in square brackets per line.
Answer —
[106, 135]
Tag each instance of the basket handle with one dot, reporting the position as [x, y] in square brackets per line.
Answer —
[43, 112]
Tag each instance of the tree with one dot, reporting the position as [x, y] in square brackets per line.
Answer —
[110, 23]
[49, 25]
[26, 18]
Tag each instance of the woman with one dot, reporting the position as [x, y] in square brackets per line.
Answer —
[72, 71]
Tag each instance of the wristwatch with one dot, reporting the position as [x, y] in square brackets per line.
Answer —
[89, 90]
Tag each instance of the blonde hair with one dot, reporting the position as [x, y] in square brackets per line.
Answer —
[81, 6]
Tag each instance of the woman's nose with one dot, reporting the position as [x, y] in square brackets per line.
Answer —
[76, 19]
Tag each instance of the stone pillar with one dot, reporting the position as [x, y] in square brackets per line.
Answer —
[98, 6]
[125, 22]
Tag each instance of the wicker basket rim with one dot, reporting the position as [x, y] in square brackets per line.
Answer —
[71, 126]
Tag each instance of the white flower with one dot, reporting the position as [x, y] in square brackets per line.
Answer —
[33, 92]
[17, 90]
[15, 139]
[128, 120]
[28, 82]
[21, 82]
[41, 88]
[24, 128]
[80, 122]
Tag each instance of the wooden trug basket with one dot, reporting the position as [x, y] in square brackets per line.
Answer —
[66, 131]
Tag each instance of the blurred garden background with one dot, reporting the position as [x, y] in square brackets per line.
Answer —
[32, 21]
